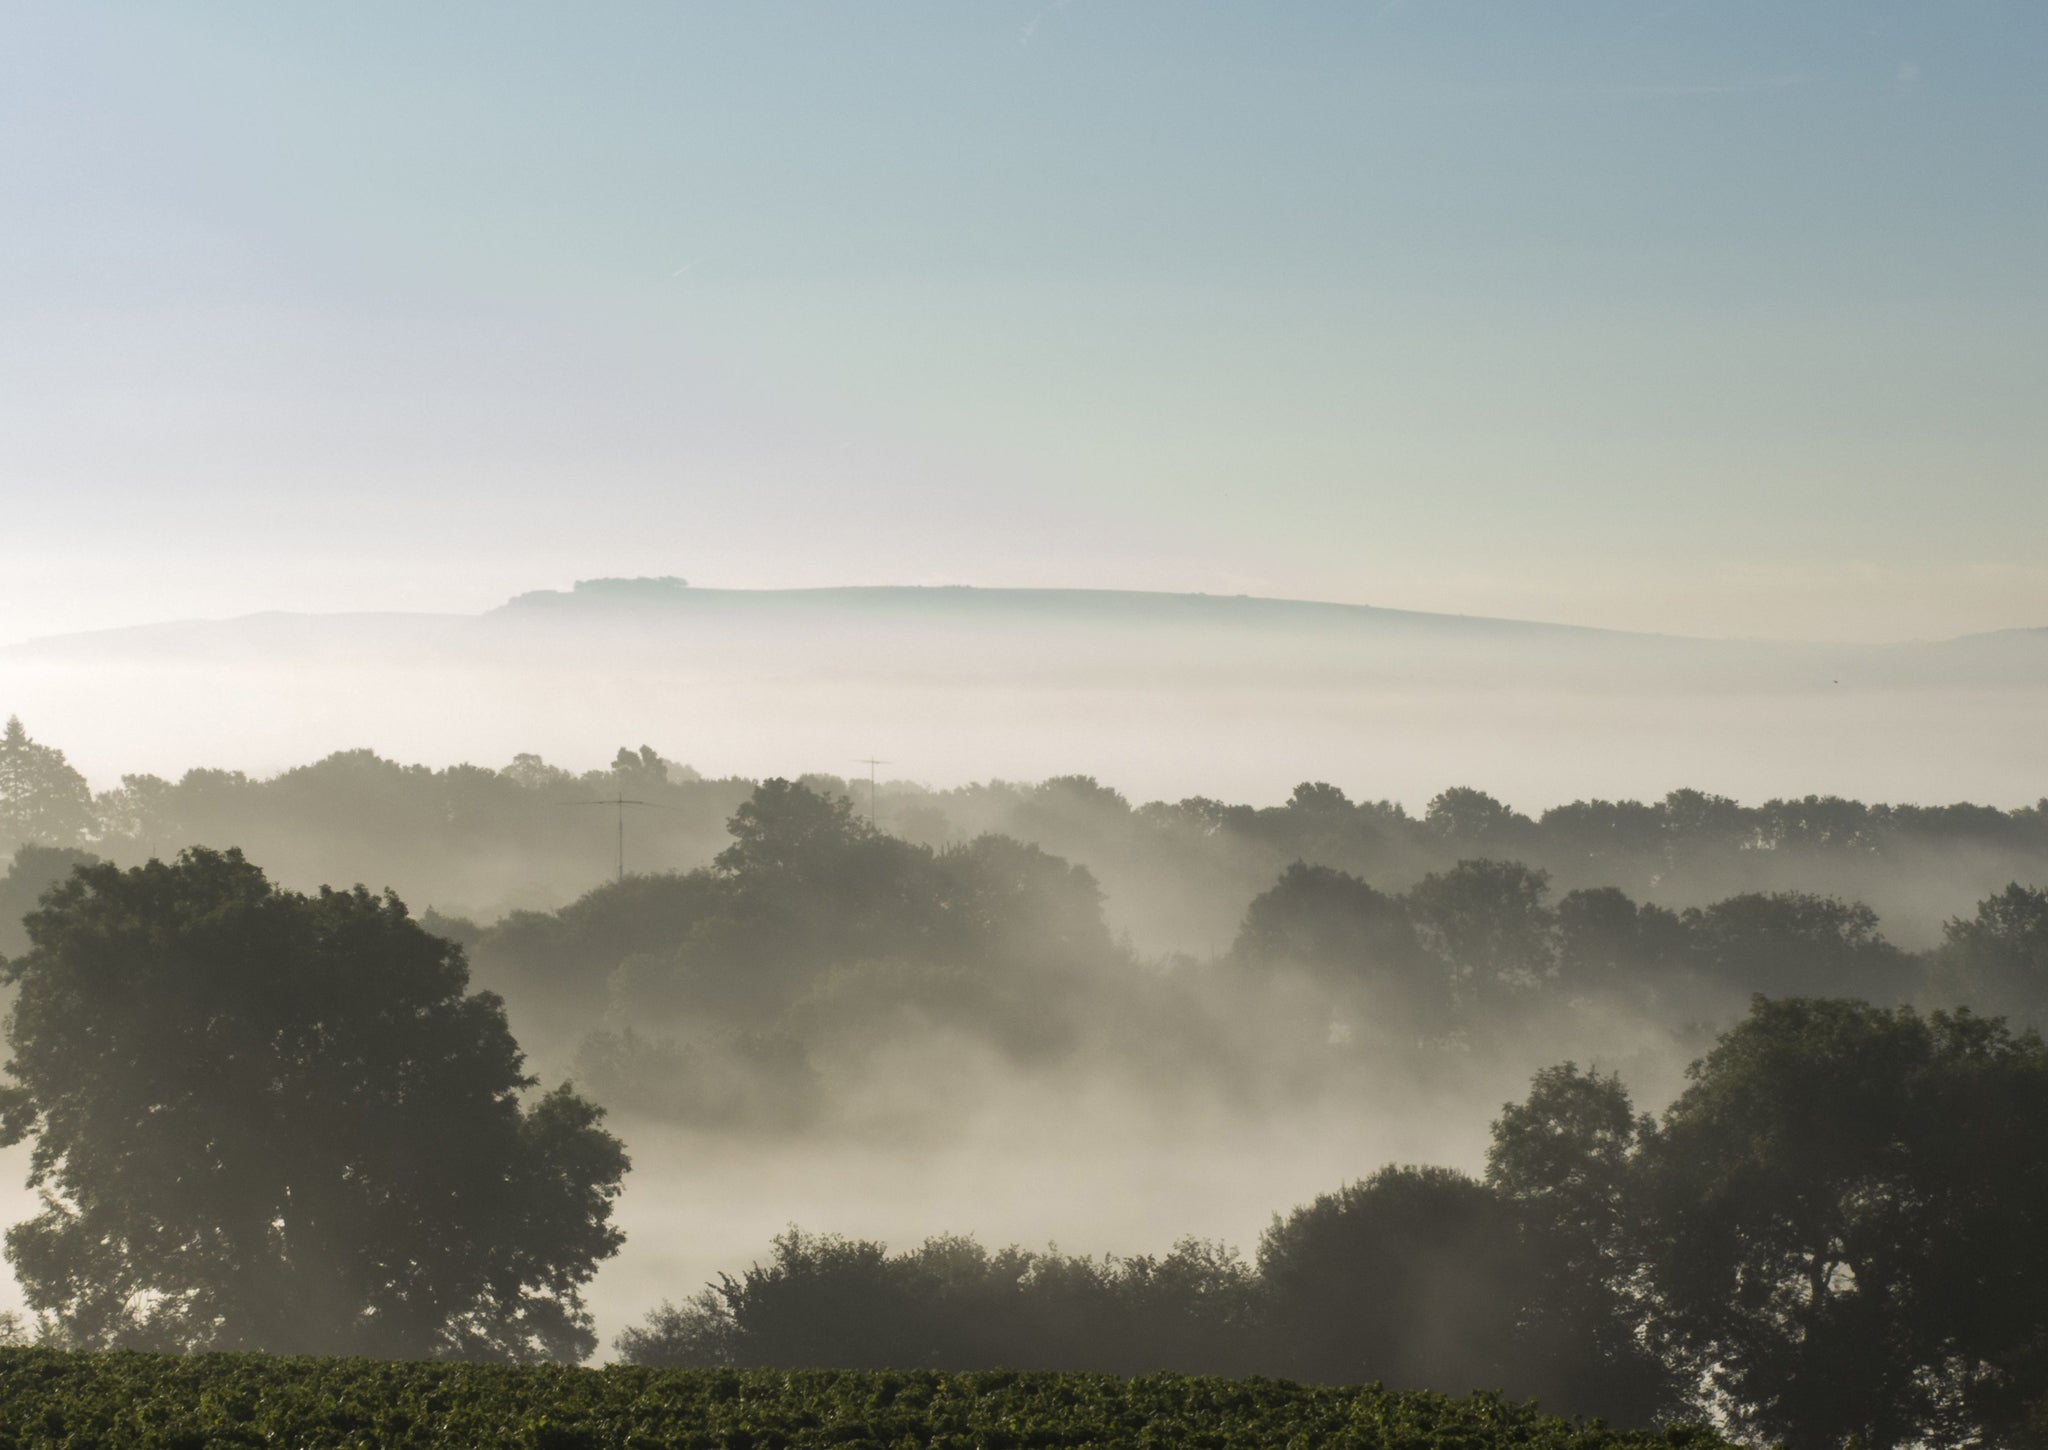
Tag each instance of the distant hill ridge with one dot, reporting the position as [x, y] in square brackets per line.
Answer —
[967, 600]
[1168, 694]
[654, 601]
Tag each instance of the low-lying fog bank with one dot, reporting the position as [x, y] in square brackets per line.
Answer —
[1167, 695]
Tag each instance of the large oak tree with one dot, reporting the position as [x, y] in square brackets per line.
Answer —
[1845, 1219]
[269, 1120]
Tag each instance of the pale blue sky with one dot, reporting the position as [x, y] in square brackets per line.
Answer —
[1722, 318]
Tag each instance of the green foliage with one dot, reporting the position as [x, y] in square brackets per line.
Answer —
[1609, 945]
[489, 839]
[1412, 1277]
[50, 1400]
[559, 963]
[1997, 959]
[1838, 1236]
[1561, 1161]
[1341, 930]
[1845, 1221]
[42, 799]
[1792, 943]
[263, 1119]
[1471, 818]
[952, 1304]
[1487, 920]
[1475, 946]
[34, 870]
[808, 895]
[486, 841]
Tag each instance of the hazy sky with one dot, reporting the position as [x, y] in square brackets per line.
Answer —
[1721, 318]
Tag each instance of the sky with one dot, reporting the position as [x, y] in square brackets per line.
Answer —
[1718, 319]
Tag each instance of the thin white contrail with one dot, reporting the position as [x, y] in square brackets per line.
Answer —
[1052, 7]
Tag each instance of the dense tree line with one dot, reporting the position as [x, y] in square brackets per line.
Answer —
[477, 841]
[1836, 1236]
[262, 1118]
[487, 838]
[718, 995]
[710, 995]
[285, 1119]
[267, 1117]
[1179, 873]
[1484, 936]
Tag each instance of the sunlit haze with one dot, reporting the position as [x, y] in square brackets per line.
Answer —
[1140, 722]
[1708, 319]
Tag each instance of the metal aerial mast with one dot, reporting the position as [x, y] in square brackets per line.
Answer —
[870, 763]
[620, 802]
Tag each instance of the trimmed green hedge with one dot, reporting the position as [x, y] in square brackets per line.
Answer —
[171, 1402]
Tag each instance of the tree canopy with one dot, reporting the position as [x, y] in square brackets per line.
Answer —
[1845, 1218]
[34, 870]
[266, 1119]
[42, 799]
[1176, 873]
[1408, 1277]
[1997, 957]
[1561, 1161]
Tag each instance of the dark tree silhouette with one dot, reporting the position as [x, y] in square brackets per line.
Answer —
[1010, 906]
[1795, 943]
[1340, 930]
[1472, 819]
[1997, 960]
[823, 1299]
[268, 1120]
[1561, 1160]
[1606, 943]
[1413, 1277]
[787, 830]
[42, 799]
[1487, 920]
[34, 870]
[1846, 1224]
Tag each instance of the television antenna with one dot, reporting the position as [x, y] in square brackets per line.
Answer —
[870, 762]
[619, 803]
